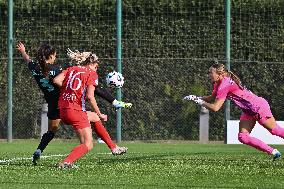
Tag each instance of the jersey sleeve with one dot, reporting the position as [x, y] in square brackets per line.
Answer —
[223, 89]
[215, 87]
[32, 65]
[54, 70]
[65, 71]
[93, 79]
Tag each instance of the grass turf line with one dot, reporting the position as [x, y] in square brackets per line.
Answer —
[147, 165]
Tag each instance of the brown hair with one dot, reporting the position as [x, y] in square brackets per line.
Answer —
[43, 54]
[221, 70]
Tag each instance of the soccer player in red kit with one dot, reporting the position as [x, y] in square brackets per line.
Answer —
[44, 70]
[82, 58]
[78, 85]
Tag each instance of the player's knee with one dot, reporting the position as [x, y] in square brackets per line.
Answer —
[275, 130]
[53, 129]
[49, 134]
[244, 138]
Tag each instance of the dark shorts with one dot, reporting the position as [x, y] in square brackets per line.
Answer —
[53, 111]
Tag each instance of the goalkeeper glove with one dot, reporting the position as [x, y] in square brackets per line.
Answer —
[198, 100]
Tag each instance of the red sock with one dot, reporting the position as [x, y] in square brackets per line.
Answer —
[76, 153]
[103, 134]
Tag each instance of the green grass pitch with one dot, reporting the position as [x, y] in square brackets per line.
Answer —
[146, 165]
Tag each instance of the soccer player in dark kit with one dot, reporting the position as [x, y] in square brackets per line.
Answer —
[44, 70]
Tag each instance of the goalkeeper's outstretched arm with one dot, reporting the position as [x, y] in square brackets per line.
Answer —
[215, 106]
[208, 99]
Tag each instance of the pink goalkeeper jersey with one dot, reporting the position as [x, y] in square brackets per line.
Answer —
[243, 98]
[73, 90]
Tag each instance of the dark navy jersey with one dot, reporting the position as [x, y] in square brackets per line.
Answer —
[50, 90]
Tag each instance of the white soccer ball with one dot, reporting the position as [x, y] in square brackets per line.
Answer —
[115, 79]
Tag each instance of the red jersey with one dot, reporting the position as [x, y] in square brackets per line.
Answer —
[74, 87]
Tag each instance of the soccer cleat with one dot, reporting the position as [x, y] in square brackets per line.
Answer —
[65, 165]
[36, 156]
[127, 105]
[120, 104]
[119, 150]
[276, 154]
[100, 141]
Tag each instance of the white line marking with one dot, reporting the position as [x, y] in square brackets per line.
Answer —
[42, 157]
[29, 158]
[109, 153]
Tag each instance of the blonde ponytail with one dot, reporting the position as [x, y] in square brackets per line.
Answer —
[235, 78]
[77, 56]
[82, 58]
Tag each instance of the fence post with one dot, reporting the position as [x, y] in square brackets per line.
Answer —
[44, 119]
[10, 73]
[228, 61]
[204, 125]
[118, 65]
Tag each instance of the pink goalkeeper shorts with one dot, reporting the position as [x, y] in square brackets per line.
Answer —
[263, 113]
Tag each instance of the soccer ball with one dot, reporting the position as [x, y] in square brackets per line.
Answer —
[115, 79]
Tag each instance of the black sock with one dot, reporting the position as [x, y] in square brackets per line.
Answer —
[46, 138]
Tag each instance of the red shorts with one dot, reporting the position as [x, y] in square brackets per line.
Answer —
[77, 118]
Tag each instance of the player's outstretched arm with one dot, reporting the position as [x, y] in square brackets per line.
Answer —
[21, 47]
[208, 98]
[215, 106]
[93, 102]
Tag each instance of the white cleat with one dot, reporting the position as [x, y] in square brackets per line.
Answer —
[119, 150]
[65, 165]
[276, 154]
